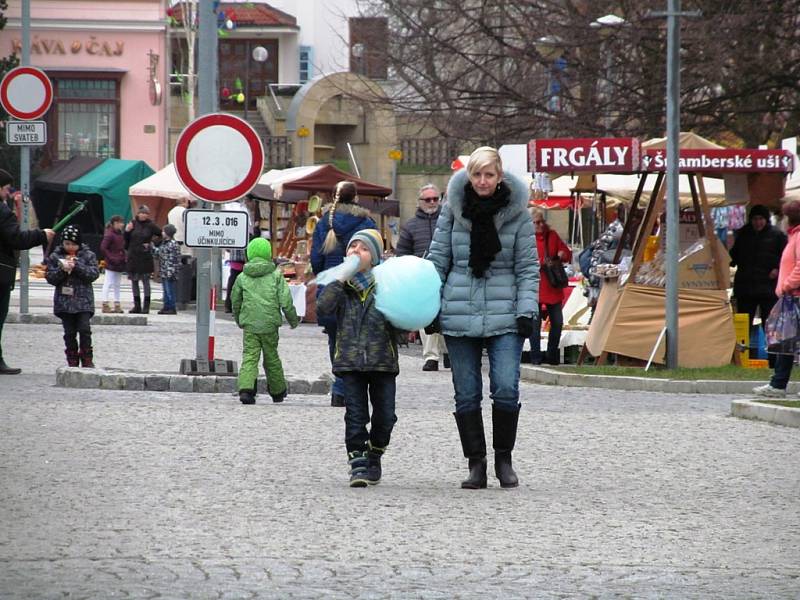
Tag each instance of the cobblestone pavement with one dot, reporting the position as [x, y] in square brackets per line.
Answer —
[175, 495]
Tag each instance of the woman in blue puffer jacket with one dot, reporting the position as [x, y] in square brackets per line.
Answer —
[340, 220]
[484, 249]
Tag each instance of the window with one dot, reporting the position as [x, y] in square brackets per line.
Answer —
[306, 67]
[87, 117]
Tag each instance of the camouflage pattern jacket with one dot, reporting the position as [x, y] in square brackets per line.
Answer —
[365, 340]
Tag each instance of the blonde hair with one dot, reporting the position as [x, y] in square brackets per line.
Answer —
[346, 192]
[536, 212]
[482, 157]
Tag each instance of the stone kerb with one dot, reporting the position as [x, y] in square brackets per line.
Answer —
[97, 319]
[109, 379]
[772, 413]
[547, 376]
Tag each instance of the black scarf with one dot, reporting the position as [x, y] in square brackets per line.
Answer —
[484, 243]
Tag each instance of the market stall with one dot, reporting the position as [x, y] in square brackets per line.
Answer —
[629, 316]
[291, 200]
[101, 183]
[160, 192]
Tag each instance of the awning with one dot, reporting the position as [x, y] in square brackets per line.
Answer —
[57, 178]
[161, 184]
[111, 180]
[319, 178]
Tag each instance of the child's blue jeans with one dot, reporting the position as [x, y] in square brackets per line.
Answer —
[169, 286]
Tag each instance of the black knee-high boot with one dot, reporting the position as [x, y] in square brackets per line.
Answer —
[504, 437]
[473, 442]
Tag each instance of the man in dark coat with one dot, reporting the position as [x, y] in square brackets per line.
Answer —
[756, 254]
[415, 237]
[12, 240]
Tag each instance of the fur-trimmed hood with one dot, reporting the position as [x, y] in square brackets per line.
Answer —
[345, 208]
[518, 203]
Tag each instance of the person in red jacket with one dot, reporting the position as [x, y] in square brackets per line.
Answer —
[548, 244]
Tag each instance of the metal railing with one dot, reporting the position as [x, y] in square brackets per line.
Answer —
[277, 152]
[429, 152]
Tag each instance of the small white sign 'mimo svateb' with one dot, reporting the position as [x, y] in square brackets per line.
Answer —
[216, 229]
[26, 133]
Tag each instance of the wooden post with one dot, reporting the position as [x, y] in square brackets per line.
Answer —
[626, 231]
[715, 255]
[653, 210]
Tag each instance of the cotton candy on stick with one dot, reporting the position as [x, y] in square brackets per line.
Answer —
[407, 291]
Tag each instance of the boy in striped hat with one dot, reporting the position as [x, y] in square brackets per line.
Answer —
[365, 357]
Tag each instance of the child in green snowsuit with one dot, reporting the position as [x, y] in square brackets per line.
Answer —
[258, 297]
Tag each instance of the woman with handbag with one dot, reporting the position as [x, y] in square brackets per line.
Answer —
[553, 253]
[788, 285]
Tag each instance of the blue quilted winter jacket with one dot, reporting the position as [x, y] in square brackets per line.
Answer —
[489, 305]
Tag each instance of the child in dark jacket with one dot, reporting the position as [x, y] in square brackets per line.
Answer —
[169, 262]
[365, 357]
[71, 268]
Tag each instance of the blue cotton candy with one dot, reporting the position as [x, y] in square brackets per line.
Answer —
[407, 291]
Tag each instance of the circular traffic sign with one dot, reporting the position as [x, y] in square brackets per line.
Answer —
[219, 157]
[26, 93]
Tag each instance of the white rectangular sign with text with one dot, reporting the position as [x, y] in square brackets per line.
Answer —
[216, 229]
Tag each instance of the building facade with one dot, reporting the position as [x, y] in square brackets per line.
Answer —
[106, 63]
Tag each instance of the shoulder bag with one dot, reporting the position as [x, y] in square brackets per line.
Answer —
[553, 268]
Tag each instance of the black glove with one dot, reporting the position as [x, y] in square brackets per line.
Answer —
[434, 327]
[525, 326]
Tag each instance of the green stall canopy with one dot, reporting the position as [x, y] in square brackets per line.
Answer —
[111, 180]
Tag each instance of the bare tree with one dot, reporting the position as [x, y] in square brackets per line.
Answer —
[504, 71]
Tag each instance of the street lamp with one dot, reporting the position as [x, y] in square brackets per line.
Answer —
[260, 55]
[605, 25]
[551, 48]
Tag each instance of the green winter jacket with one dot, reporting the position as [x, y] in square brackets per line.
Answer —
[258, 297]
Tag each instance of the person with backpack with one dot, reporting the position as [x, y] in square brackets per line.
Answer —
[339, 221]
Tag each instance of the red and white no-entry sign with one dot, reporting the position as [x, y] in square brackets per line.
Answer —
[218, 157]
[26, 93]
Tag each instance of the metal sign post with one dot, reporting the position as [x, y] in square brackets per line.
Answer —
[218, 158]
[26, 94]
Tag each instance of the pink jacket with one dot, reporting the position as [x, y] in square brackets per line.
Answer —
[789, 271]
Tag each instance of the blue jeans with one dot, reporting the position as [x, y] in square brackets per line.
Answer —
[338, 385]
[465, 358]
[168, 285]
[783, 370]
[361, 388]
